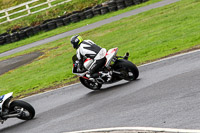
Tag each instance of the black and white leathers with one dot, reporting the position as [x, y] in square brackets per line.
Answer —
[88, 49]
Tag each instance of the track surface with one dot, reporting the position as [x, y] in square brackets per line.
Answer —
[166, 95]
[89, 27]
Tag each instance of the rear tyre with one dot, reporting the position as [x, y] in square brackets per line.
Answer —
[89, 84]
[129, 71]
[28, 111]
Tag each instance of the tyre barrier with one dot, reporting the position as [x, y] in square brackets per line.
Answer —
[128, 3]
[137, 1]
[2, 40]
[66, 20]
[104, 10]
[36, 29]
[82, 16]
[89, 13]
[44, 27]
[22, 34]
[59, 22]
[29, 32]
[8, 39]
[97, 11]
[3, 34]
[120, 4]
[112, 6]
[73, 17]
[14, 37]
[51, 25]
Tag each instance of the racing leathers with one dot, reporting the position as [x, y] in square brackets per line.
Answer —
[88, 49]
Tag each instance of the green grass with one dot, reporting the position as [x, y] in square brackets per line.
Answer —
[9, 3]
[44, 35]
[147, 36]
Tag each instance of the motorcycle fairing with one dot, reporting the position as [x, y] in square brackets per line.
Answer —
[3, 99]
[109, 56]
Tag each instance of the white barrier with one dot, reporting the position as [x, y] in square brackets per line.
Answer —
[27, 9]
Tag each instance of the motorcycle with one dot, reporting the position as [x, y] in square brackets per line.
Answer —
[17, 108]
[115, 69]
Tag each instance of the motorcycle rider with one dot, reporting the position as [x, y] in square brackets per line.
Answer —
[88, 49]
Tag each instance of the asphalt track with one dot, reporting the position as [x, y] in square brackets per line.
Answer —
[166, 95]
[90, 26]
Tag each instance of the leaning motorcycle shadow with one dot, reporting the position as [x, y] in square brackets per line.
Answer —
[113, 87]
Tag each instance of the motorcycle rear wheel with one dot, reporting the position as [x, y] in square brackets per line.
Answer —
[28, 110]
[128, 70]
[89, 84]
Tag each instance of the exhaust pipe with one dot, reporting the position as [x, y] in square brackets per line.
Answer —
[126, 56]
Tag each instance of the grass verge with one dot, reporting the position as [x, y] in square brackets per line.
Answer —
[147, 36]
[44, 35]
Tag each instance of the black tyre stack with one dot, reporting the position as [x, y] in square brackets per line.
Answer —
[120, 4]
[29, 31]
[128, 2]
[82, 15]
[74, 18]
[137, 1]
[8, 38]
[51, 25]
[104, 10]
[14, 37]
[112, 6]
[89, 13]
[97, 11]
[2, 40]
[22, 34]
[36, 29]
[44, 27]
[66, 20]
[59, 22]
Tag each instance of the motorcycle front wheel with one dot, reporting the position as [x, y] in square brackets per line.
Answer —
[89, 84]
[28, 112]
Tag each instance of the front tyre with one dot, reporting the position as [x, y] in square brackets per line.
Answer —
[128, 70]
[89, 84]
[28, 112]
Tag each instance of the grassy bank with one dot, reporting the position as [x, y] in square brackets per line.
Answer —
[54, 12]
[44, 35]
[147, 36]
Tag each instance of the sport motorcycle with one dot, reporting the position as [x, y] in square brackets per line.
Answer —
[115, 69]
[15, 109]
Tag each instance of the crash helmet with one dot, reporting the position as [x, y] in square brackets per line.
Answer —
[76, 41]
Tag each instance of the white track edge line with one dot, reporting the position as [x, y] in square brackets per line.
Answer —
[173, 130]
